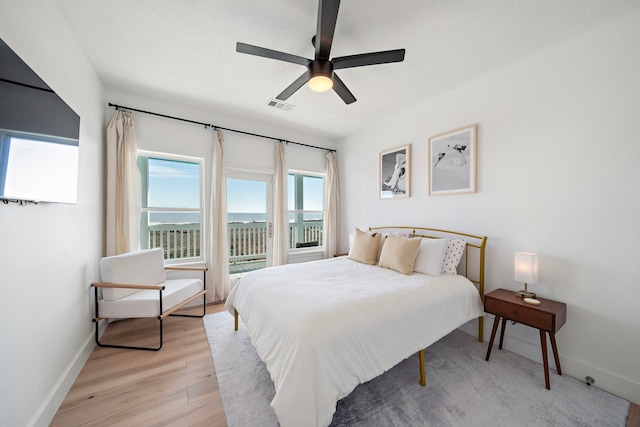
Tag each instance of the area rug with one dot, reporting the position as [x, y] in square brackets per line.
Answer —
[462, 388]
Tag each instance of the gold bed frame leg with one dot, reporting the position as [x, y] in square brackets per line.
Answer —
[481, 329]
[235, 319]
[423, 379]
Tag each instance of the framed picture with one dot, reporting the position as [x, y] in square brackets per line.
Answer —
[452, 162]
[395, 173]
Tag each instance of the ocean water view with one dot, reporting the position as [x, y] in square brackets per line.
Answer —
[232, 217]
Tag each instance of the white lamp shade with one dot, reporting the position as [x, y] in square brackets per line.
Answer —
[526, 267]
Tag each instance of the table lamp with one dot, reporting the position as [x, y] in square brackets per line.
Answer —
[526, 270]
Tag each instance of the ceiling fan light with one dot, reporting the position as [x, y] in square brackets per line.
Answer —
[320, 83]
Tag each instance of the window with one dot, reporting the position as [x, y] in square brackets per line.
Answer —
[306, 210]
[171, 205]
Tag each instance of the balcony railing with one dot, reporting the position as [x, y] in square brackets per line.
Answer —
[178, 240]
[247, 241]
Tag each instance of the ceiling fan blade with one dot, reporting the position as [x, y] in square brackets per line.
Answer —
[372, 58]
[327, 17]
[293, 87]
[341, 89]
[270, 53]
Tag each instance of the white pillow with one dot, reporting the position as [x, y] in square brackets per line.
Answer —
[453, 255]
[399, 254]
[365, 247]
[431, 256]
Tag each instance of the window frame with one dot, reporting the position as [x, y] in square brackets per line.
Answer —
[144, 190]
[299, 190]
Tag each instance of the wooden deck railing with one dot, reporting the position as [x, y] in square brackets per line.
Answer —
[247, 241]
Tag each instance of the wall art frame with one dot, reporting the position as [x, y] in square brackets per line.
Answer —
[452, 161]
[395, 173]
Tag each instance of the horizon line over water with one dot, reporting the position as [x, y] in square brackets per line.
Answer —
[232, 217]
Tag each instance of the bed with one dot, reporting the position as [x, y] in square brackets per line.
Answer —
[323, 327]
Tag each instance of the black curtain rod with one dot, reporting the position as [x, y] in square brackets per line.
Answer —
[208, 125]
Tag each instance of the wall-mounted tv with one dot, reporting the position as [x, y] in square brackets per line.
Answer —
[39, 136]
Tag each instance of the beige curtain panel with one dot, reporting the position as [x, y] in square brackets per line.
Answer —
[218, 253]
[123, 185]
[281, 208]
[332, 207]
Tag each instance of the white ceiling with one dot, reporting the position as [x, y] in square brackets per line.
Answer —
[184, 51]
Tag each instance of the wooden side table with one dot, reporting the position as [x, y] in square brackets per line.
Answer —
[548, 317]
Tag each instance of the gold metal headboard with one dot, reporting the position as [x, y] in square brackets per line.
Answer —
[475, 272]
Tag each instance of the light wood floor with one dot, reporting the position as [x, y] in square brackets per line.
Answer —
[175, 386]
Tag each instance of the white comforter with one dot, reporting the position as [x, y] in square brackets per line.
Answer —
[324, 327]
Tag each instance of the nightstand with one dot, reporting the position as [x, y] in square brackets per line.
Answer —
[548, 317]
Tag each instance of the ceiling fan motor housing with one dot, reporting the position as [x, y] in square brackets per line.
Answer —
[320, 67]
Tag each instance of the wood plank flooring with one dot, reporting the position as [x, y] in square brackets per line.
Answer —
[175, 386]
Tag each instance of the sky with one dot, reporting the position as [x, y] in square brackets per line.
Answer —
[175, 184]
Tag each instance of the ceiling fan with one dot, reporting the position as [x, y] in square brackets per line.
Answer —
[320, 70]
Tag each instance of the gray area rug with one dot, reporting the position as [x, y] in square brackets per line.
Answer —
[462, 388]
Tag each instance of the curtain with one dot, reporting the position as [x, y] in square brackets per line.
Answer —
[281, 208]
[123, 185]
[332, 207]
[218, 273]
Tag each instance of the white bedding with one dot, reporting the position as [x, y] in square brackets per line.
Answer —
[326, 326]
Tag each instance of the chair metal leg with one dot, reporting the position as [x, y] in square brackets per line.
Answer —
[97, 320]
[204, 310]
[204, 300]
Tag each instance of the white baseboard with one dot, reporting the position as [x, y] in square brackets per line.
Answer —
[607, 381]
[49, 407]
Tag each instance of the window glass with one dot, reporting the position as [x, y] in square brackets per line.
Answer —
[171, 205]
[306, 210]
[313, 193]
[174, 183]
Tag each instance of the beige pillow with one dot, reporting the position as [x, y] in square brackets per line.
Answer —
[365, 247]
[383, 237]
[399, 253]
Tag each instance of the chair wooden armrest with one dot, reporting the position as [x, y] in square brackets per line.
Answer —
[127, 286]
[186, 268]
[183, 303]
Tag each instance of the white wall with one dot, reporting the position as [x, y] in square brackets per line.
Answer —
[558, 171]
[242, 151]
[49, 252]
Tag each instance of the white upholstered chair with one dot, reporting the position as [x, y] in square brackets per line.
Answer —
[134, 285]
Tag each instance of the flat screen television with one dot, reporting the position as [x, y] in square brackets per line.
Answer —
[39, 137]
